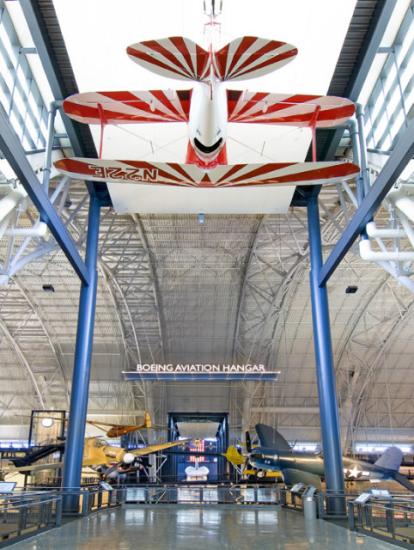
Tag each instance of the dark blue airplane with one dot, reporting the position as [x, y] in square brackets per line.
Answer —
[275, 454]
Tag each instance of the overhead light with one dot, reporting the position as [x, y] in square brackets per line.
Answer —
[47, 422]
[201, 218]
[351, 289]
[48, 288]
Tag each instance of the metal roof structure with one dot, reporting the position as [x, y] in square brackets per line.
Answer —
[232, 289]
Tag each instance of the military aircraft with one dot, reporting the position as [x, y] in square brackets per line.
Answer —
[108, 459]
[275, 454]
[207, 108]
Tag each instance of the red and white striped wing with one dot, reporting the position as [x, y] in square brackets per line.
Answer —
[250, 57]
[294, 110]
[174, 57]
[189, 175]
[129, 107]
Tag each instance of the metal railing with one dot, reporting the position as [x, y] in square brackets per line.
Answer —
[391, 520]
[329, 504]
[94, 499]
[27, 513]
[203, 494]
[327, 501]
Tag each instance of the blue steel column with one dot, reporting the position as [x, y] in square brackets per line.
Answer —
[325, 373]
[72, 468]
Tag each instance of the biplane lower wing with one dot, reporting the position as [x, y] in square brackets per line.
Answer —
[289, 109]
[189, 175]
[129, 107]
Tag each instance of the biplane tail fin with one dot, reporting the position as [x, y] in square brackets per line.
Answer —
[250, 57]
[147, 420]
[174, 57]
[234, 457]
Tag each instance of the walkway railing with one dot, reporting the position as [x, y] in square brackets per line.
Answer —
[204, 494]
[391, 520]
[329, 505]
[27, 513]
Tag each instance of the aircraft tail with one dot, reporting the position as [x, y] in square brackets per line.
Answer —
[391, 459]
[270, 437]
[404, 481]
[147, 420]
[181, 58]
[249, 57]
[234, 457]
[173, 57]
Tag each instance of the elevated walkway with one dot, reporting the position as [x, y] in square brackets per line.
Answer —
[183, 527]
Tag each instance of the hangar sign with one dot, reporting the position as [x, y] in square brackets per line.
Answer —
[201, 371]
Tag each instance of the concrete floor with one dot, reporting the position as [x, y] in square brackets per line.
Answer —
[190, 528]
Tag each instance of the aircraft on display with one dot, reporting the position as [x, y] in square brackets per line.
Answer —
[97, 453]
[275, 454]
[107, 459]
[118, 430]
[207, 108]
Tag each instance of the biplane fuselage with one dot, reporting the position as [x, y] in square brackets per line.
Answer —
[208, 123]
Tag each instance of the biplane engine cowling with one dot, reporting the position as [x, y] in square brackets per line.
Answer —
[128, 458]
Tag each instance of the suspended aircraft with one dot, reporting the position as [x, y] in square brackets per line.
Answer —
[43, 450]
[107, 459]
[99, 455]
[207, 108]
[118, 430]
[275, 454]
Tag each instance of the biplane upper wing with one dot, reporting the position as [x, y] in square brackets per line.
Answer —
[127, 107]
[289, 109]
[150, 449]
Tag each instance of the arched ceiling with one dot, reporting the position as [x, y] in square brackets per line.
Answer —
[233, 288]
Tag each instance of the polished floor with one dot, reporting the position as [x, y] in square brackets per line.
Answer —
[190, 528]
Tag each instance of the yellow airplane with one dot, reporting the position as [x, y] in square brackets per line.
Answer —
[97, 453]
[117, 430]
[241, 464]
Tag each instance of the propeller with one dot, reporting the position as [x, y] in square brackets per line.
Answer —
[248, 442]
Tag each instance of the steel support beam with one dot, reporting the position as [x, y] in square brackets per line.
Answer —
[81, 372]
[398, 160]
[32, 10]
[325, 374]
[285, 410]
[369, 50]
[41, 42]
[14, 153]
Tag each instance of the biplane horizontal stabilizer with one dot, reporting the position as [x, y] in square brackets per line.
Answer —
[181, 58]
[250, 57]
[174, 57]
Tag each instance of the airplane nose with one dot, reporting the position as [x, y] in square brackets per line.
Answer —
[207, 149]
